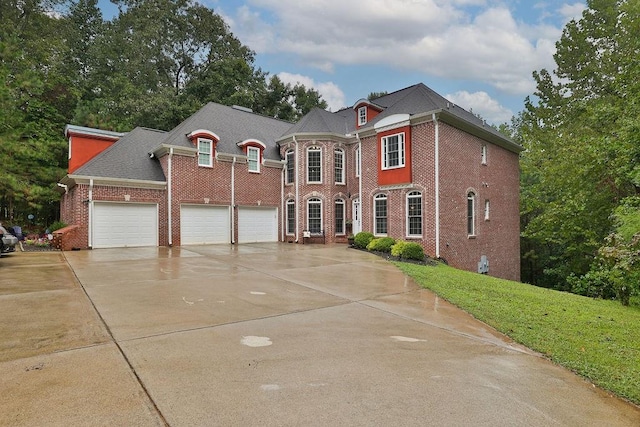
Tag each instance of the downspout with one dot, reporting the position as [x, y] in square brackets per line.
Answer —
[233, 200]
[297, 190]
[90, 237]
[282, 203]
[437, 181]
[169, 198]
[361, 201]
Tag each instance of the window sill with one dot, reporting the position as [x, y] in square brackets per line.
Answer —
[393, 167]
[471, 236]
[206, 166]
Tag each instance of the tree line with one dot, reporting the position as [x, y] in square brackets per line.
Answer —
[152, 65]
[580, 171]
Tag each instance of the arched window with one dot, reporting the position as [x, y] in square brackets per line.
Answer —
[314, 215]
[380, 214]
[314, 165]
[339, 216]
[291, 166]
[338, 166]
[414, 214]
[471, 213]
[291, 217]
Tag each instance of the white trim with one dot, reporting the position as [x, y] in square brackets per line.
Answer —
[385, 197]
[314, 149]
[344, 215]
[343, 179]
[362, 118]
[392, 122]
[414, 195]
[252, 141]
[213, 135]
[249, 159]
[203, 140]
[384, 151]
[319, 202]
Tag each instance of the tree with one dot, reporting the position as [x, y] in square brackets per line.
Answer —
[581, 141]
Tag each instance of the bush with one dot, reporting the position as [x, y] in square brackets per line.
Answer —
[412, 250]
[396, 250]
[382, 244]
[57, 226]
[362, 239]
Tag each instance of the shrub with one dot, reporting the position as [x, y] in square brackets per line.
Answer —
[57, 226]
[362, 239]
[382, 244]
[412, 250]
[396, 250]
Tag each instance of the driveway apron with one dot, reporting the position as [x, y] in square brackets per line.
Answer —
[262, 334]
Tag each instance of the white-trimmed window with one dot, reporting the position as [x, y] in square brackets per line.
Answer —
[205, 157]
[314, 215]
[314, 165]
[380, 214]
[393, 151]
[486, 210]
[338, 166]
[484, 154]
[339, 217]
[471, 213]
[414, 214]
[253, 159]
[291, 217]
[362, 116]
[291, 166]
[358, 162]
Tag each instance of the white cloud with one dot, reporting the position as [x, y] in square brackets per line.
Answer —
[330, 91]
[572, 11]
[481, 103]
[461, 39]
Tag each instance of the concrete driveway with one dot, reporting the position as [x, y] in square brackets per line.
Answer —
[265, 334]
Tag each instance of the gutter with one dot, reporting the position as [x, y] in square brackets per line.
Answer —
[90, 239]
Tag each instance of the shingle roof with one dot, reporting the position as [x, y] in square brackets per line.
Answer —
[128, 158]
[318, 120]
[232, 125]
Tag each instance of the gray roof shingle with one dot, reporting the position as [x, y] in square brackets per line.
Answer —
[232, 125]
[128, 158]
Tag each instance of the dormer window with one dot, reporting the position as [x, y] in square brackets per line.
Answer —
[254, 150]
[362, 115]
[253, 159]
[205, 157]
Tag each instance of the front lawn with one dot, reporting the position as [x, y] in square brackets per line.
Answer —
[598, 339]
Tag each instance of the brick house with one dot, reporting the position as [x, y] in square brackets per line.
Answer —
[409, 165]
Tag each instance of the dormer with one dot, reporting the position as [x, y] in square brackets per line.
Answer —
[365, 112]
[86, 143]
[254, 150]
[205, 141]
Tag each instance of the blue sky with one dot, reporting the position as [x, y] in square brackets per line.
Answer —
[479, 54]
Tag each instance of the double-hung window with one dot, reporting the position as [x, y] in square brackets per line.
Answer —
[314, 215]
[290, 157]
[338, 166]
[483, 155]
[205, 157]
[253, 159]
[380, 214]
[291, 217]
[393, 151]
[414, 214]
[314, 165]
[357, 160]
[471, 214]
[362, 116]
[339, 216]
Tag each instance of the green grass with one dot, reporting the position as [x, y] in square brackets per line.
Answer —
[597, 339]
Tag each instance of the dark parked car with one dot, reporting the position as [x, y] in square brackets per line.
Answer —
[8, 241]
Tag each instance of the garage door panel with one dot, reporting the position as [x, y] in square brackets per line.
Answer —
[204, 224]
[257, 225]
[117, 225]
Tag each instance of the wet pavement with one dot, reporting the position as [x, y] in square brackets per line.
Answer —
[264, 334]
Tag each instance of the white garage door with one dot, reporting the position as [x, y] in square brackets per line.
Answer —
[116, 225]
[202, 224]
[257, 225]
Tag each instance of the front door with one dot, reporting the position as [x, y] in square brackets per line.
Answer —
[357, 219]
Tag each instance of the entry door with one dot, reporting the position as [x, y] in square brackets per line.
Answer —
[357, 220]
